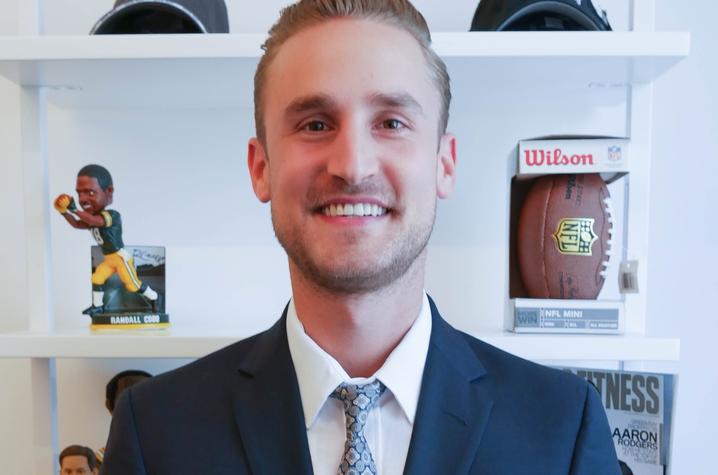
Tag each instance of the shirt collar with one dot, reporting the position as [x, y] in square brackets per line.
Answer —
[318, 373]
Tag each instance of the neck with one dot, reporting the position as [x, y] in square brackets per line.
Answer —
[376, 321]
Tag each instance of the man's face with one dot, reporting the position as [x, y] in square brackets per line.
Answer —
[93, 198]
[75, 465]
[353, 163]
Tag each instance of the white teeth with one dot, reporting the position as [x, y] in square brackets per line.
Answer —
[359, 209]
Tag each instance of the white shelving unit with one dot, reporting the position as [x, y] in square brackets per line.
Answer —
[178, 70]
[215, 72]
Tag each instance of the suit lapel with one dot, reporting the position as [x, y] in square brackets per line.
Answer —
[453, 406]
[268, 408]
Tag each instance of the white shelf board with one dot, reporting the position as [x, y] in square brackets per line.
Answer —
[193, 343]
[82, 343]
[210, 71]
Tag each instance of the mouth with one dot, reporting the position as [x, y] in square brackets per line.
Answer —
[359, 210]
[86, 206]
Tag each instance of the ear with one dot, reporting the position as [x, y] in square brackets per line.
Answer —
[446, 166]
[258, 170]
[110, 191]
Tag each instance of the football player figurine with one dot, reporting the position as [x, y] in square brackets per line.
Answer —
[94, 190]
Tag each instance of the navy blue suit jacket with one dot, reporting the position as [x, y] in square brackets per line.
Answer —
[481, 411]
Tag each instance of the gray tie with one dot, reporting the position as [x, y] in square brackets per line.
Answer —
[358, 399]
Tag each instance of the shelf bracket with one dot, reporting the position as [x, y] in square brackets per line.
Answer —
[44, 415]
[30, 17]
[639, 121]
[642, 15]
[36, 200]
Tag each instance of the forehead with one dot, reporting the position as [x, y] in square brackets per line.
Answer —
[349, 59]
[84, 181]
[75, 461]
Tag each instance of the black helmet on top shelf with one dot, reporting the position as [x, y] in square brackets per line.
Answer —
[164, 16]
[539, 15]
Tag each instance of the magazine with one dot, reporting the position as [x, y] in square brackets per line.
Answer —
[639, 407]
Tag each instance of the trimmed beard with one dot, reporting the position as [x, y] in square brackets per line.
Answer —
[350, 279]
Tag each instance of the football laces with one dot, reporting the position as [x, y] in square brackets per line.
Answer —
[609, 245]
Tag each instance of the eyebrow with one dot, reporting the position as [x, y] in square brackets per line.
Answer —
[309, 103]
[317, 102]
[400, 100]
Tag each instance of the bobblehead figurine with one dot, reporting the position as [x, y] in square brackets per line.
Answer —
[95, 191]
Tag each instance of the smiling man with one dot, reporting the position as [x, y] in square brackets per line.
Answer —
[361, 374]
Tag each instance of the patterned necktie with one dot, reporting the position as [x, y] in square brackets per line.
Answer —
[358, 399]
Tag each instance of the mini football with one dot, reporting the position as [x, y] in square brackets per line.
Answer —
[564, 236]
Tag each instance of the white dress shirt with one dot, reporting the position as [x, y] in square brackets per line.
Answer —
[390, 422]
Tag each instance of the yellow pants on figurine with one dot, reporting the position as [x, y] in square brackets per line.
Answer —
[122, 263]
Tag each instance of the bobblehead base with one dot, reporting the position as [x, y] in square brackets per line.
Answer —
[129, 321]
[127, 310]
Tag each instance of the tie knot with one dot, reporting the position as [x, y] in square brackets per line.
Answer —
[361, 397]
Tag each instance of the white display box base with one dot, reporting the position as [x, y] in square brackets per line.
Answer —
[567, 316]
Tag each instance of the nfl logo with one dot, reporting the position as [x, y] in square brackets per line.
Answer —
[614, 153]
[575, 236]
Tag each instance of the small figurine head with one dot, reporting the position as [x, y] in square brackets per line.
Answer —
[94, 188]
[78, 460]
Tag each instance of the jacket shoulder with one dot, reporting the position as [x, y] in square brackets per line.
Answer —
[510, 372]
[201, 378]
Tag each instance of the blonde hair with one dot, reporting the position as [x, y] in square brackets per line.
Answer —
[306, 13]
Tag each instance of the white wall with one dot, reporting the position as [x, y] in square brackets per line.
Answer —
[682, 228]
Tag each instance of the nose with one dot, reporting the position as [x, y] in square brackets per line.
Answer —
[353, 156]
